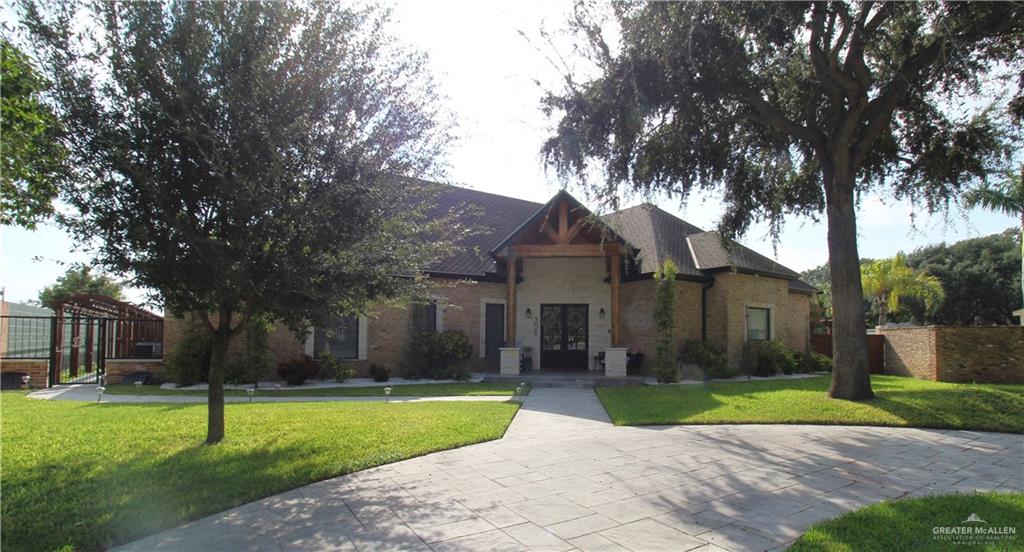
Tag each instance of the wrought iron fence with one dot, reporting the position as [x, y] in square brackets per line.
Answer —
[47, 337]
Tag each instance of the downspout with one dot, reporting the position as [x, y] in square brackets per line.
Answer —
[704, 309]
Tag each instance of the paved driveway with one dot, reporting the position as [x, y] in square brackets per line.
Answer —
[563, 478]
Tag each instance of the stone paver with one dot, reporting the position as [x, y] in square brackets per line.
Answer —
[564, 478]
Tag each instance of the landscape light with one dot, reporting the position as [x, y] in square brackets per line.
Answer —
[249, 392]
[99, 392]
[25, 379]
[387, 394]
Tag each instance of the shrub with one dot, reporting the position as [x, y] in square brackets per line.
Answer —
[298, 370]
[767, 358]
[380, 373]
[188, 362]
[664, 323]
[335, 368]
[437, 355]
[710, 358]
[254, 362]
[822, 363]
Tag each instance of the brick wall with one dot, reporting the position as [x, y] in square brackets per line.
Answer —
[117, 369]
[281, 342]
[734, 292]
[959, 354]
[37, 369]
[910, 352]
[638, 300]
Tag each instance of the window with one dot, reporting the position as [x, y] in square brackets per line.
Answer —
[424, 317]
[759, 326]
[340, 338]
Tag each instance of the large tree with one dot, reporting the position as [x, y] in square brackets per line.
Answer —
[1007, 197]
[791, 108]
[79, 279]
[980, 276]
[244, 159]
[30, 153]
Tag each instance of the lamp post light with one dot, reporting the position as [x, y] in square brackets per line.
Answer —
[25, 379]
[249, 392]
[99, 393]
[387, 394]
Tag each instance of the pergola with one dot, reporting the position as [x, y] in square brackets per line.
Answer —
[112, 328]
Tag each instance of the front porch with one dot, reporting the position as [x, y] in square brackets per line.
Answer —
[563, 271]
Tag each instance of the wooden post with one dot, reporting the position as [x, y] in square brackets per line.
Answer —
[563, 219]
[616, 276]
[510, 302]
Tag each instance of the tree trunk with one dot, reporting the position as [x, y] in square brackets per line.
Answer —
[883, 309]
[219, 343]
[851, 377]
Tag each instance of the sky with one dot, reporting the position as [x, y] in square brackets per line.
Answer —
[488, 73]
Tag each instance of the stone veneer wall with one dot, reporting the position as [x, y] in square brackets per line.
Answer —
[733, 293]
[638, 299]
[959, 354]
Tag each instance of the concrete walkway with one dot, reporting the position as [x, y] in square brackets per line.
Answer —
[88, 393]
[563, 478]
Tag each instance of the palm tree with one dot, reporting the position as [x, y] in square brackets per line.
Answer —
[1005, 197]
[885, 281]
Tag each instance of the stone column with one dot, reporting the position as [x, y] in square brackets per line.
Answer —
[615, 362]
[509, 361]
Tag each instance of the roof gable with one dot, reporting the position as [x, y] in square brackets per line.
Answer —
[537, 227]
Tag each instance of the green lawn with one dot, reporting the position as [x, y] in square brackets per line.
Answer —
[898, 402]
[87, 475]
[416, 390]
[908, 525]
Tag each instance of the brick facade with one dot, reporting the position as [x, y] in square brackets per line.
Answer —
[568, 280]
[959, 354]
[117, 369]
[729, 298]
[638, 300]
[38, 370]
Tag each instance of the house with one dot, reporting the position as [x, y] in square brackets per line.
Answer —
[557, 286]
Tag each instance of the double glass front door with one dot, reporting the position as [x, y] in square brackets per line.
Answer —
[563, 337]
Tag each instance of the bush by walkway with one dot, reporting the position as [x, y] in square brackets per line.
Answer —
[87, 475]
[898, 402]
[909, 525]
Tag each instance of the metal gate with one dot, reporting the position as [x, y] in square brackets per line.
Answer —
[77, 350]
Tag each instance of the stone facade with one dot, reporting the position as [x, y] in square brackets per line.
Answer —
[729, 298]
[959, 354]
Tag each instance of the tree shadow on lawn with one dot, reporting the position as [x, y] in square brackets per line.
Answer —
[982, 408]
[907, 524]
[90, 499]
